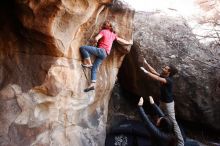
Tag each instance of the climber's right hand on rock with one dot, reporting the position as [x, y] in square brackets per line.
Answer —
[143, 69]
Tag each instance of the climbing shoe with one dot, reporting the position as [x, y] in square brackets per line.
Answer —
[89, 89]
[86, 65]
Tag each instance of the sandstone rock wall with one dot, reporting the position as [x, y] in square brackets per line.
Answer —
[42, 81]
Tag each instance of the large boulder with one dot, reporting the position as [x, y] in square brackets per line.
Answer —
[42, 81]
[162, 39]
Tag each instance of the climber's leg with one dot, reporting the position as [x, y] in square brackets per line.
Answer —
[86, 51]
[101, 55]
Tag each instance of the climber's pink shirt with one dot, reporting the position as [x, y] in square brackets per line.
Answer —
[107, 39]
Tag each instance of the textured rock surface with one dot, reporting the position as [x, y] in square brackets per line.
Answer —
[42, 80]
[164, 39]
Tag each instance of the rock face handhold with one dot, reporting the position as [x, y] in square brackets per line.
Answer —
[162, 40]
[41, 73]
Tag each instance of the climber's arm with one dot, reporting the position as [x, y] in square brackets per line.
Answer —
[153, 76]
[152, 70]
[98, 37]
[123, 41]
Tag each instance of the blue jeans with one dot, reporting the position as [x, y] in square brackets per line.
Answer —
[100, 54]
